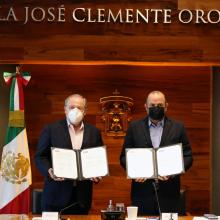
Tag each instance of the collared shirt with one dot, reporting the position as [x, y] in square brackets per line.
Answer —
[156, 131]
[76, 136]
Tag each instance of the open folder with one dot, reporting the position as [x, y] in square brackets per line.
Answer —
[80, 164]
[151, 162]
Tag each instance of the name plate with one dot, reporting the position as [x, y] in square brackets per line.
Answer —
[169, 216]
[50, 216]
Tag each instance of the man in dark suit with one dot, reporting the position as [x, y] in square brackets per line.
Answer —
[70, 133]
[156, 130]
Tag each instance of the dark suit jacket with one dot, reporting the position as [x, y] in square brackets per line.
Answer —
[58, 193]
[138, 136]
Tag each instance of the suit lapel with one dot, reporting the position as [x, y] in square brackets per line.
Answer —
[166, 130]
[85, 137]
[146, 131]
[66, 133]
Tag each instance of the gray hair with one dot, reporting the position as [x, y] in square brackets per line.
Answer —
[66, 102]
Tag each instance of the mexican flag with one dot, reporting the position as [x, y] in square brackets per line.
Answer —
[15, 170]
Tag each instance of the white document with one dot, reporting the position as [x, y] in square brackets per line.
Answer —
[80, 164]
[199, 218]
[169, 216]
[94, 162]
[50, 216]
[151, 163]
[170, 160]
[64, 163]
[140, 163]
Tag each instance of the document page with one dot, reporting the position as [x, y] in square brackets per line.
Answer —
[139, 163]
[170, 160]
[64, 163]
[94, 162]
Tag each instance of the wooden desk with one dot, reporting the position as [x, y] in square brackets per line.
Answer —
[71, 217]
[98, 217]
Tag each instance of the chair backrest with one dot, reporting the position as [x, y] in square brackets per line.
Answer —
[37, 201]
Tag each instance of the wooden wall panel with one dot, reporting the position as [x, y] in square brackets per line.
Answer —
[188, 93]
[200, 4]
[72, 41]
[187, 88]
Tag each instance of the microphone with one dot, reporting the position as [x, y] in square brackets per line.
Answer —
[156, 183]
[67, 207]
[156, 188]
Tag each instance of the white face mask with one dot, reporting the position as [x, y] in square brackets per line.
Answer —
[75, 116]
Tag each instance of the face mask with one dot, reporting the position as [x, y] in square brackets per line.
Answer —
[75, 116]
[156, 113]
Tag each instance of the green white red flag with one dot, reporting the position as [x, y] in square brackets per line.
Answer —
[15, 170]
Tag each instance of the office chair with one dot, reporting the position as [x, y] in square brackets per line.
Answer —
[37, 201]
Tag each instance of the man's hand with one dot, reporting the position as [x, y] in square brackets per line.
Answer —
[140, 180]
[163, 178]
[50, 171]
[96, 179]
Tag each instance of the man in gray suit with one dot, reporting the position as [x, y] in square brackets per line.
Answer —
[154, 131]
[69, 133]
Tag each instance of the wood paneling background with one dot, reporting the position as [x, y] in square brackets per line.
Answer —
[71, 41]
[188, 88]
[188, 94]
[198, 4]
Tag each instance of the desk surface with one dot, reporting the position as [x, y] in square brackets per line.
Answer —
[98, 217]
[70, 217]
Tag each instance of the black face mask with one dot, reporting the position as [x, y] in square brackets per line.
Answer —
[156, 113]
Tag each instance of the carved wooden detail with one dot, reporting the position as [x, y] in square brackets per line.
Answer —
[116, 111]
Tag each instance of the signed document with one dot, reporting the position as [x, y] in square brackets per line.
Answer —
[94, 162]
[170, 160]
[64, 163]
[80, 164]
[140, 163]
[151, 163]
